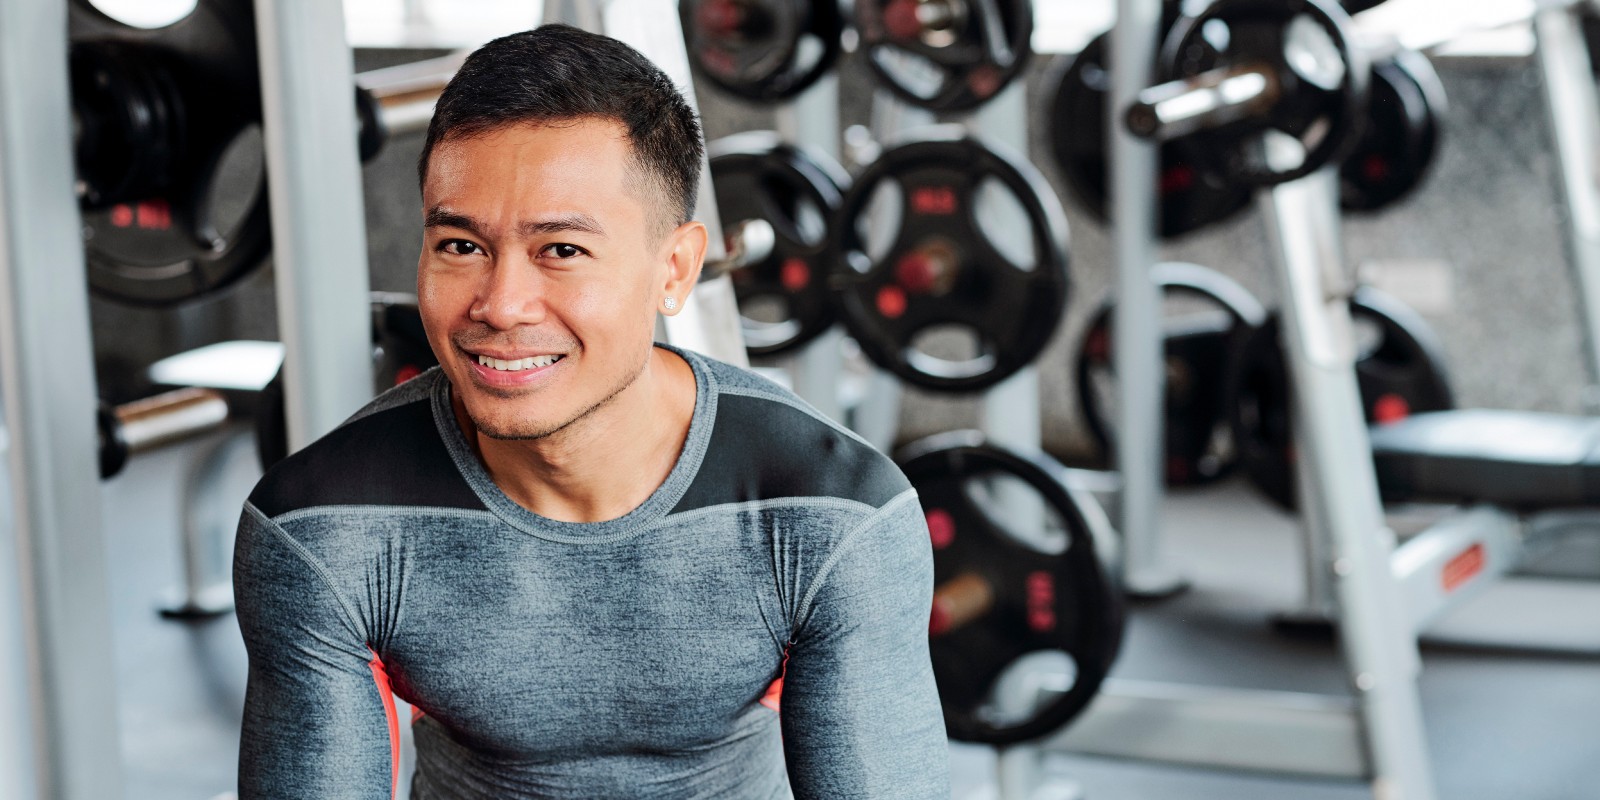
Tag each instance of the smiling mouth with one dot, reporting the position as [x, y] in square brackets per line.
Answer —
[517, 364]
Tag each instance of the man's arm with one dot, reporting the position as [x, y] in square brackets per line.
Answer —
[860, 710]
[318, 719]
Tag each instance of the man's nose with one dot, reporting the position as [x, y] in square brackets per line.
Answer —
[512, 294]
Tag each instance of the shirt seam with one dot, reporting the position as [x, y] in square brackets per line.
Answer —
[387, 510]
[799, 501]
[804, 608]
[316, 566]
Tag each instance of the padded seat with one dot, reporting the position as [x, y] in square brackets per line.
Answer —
[1518, 459]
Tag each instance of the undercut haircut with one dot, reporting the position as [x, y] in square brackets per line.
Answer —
[557, 74]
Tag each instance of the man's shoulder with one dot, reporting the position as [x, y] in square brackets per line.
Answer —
[767, 443]
[389, 453]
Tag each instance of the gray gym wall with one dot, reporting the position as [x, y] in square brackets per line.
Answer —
[1478, 250]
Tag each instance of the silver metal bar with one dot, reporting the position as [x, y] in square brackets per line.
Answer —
[207, 589]
[1380, 649]
[812, 120]
[1279, 732]
[1455, 560]
[406, 93]
[170, 417]
[1208, 100]
[1569, 88]
[709, 321]
[1010, 411]
[318, 226]
[58, 739]
[1320, 604]
[1136, 336]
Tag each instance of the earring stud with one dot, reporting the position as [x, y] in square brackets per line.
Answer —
[670, 303]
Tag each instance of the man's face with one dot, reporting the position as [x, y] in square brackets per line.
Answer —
[538, 258]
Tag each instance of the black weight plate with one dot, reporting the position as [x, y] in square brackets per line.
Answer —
[1354, 7]
[1321, 78]
[1050, 590]
[1400, 136]
[762, 50]
[945, 55]
[944, 268]
[400, 351]
[179, 242]
[1189, 200]
[1400, 371]
[784, 300]
[1198, 438]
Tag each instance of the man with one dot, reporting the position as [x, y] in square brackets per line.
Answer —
[597, 567]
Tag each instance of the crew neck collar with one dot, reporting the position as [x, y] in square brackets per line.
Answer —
[646, 514]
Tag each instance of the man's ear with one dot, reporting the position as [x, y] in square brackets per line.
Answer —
[685, 254]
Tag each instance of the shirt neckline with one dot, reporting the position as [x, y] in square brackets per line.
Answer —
[646, 514]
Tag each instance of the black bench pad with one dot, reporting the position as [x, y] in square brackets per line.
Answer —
[1519, 459]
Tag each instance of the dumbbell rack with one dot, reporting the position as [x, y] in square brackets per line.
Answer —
[1378, 736]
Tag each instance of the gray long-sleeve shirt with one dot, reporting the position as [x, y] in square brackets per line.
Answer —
[622, 659]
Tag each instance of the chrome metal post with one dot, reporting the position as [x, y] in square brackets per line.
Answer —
[319, 230]
[1136, 332]
[1569, 87]
[1380, 649]
[58, 701]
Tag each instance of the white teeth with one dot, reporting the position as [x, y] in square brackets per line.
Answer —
[518, 364]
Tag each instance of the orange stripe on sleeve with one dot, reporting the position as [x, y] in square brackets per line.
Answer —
[380, 676]
[772, 699]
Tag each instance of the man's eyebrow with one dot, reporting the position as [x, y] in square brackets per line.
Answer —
[440, 218]
[560, 223]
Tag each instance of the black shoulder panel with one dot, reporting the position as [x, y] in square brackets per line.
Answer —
[764, 449]
[392, 458]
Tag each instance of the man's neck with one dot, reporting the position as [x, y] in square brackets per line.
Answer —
[609, 462]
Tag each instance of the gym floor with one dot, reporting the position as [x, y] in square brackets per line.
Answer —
[1503, 723]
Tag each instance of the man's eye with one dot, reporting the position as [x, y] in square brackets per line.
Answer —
[564, 250]
[460, 247]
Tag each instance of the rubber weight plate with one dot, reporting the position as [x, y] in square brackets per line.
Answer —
[1217, 318]
[171, 171]
[1189, 200]
[1400, 370]
[950, 267]
[1016, 575]
[945, 55]
[784, 300]
[1321, 80]
[762, 50]
[1400, 137]
[400, 352]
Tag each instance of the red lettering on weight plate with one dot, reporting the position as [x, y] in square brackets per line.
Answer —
[936, 200]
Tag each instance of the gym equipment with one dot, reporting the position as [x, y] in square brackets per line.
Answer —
[945, 55]
[171, 177]
[129, 429]
[1189, 200]
[762, 50]
[944, 267]
[1400, 135]
[164, 119]
[1399, 370]
[784, 298]
[1198, 348]
[1261, 91]
[1008, 586]
[400, 352]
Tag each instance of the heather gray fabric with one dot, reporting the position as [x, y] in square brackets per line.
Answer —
[619, 659]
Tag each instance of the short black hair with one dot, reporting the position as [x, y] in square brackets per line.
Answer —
[557, 73]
